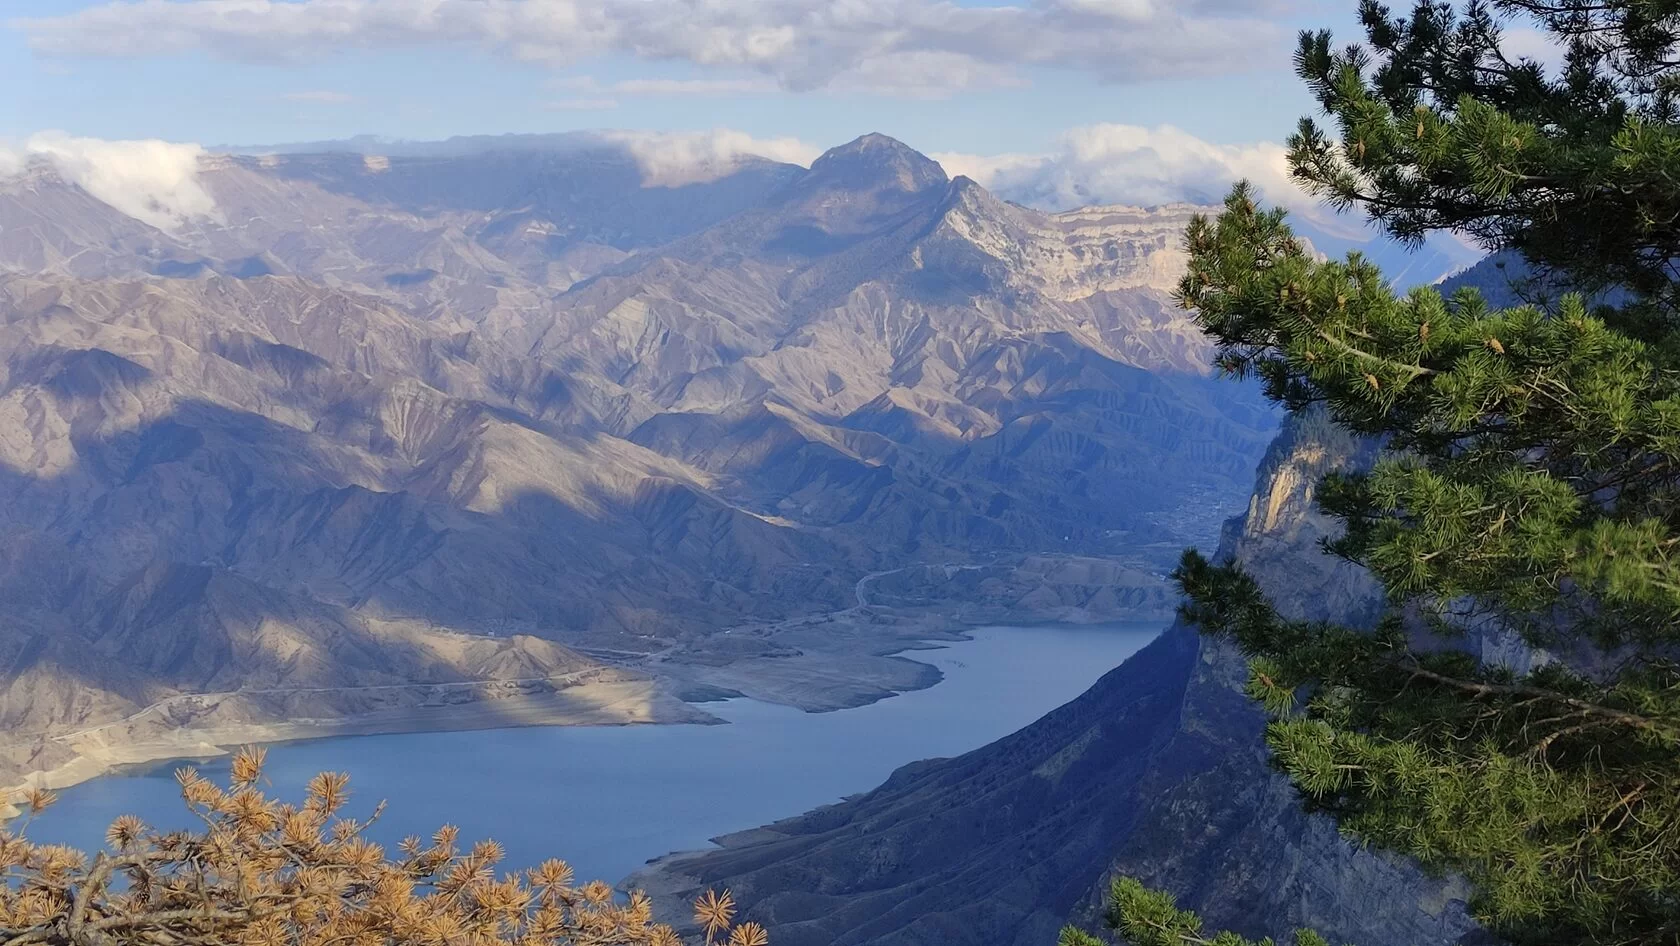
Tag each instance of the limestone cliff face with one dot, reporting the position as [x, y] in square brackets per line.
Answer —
[1277, 539]
[1158, 771]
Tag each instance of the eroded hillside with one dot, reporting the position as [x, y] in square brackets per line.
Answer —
[531, 421]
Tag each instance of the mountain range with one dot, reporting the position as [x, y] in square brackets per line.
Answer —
[517, 434]
[500, 432]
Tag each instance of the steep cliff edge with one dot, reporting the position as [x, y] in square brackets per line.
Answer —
[1157, 771]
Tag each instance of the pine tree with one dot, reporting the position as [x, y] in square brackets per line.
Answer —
[1531, 468]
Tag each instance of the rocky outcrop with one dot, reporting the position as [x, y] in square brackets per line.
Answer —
[1158, 771]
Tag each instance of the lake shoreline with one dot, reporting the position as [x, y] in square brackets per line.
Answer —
[612, 798]
[864, 662]
[114, 747]
[820, 662]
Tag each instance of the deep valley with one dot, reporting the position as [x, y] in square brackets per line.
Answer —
[531, 435]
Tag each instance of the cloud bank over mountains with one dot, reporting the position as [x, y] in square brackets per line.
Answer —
[672, 159]
[155, 182]
[922, 47]
[158, 182]
[1128, 164]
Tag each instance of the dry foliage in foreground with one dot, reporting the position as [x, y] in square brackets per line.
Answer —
[266, 873]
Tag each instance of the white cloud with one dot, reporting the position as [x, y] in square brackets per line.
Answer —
[692, 86]
[156, 182]
[320, 97]
[573, 83]
[1128, 164]
[671, 159]
[999, 172]
[580, 105]
[927, 74]
[660, 87]
[918, 47]
[1125, 164]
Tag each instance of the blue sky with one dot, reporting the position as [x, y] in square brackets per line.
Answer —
[171, 69]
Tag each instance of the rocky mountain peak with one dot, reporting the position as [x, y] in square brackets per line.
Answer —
[876, 162]
[965, 195]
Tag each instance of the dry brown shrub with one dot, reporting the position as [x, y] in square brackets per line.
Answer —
[267, 873]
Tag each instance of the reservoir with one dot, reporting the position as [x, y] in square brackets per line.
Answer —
[608, 799]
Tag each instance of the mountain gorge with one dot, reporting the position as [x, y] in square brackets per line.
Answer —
[376, 435]
[1159, 772]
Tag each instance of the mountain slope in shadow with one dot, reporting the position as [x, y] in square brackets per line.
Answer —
[1158, 771]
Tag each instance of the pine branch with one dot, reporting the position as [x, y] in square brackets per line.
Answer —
[1607, 714]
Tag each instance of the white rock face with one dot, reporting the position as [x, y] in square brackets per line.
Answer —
[365, 411]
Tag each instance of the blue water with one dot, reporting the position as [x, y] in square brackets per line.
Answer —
[609, 799]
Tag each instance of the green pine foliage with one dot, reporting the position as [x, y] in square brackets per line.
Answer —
[1150, 918]
[1530, 481]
